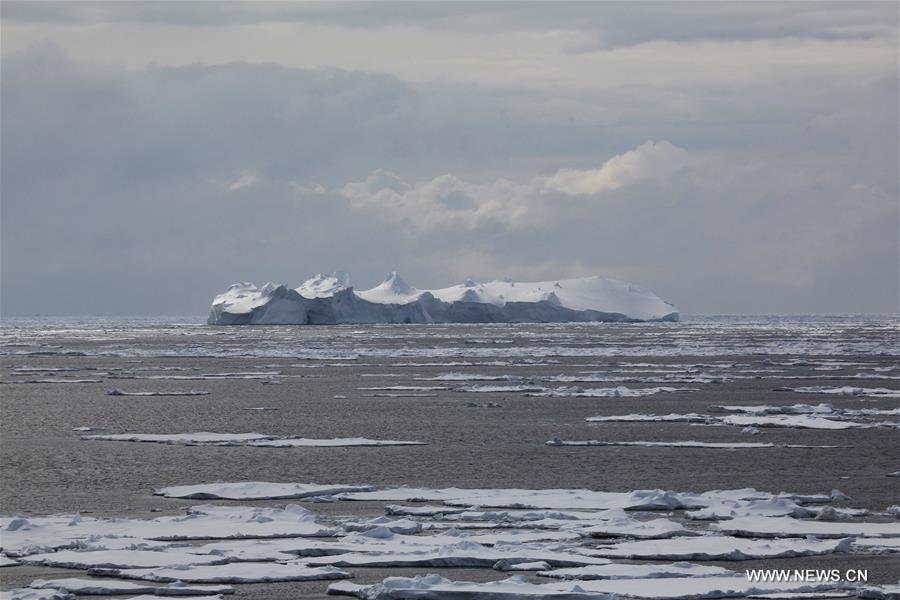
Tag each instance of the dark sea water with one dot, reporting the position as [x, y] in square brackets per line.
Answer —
[56, 373]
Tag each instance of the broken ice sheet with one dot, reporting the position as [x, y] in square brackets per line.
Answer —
[6, 561]
[460, 555]
[106, 586]
[712, 547]
[620, 524]
[187, 439]
[637, 571]
[790, 527]
[118, 392]
[80, 559]
[682, 444]
[330, 443]
[634, 417]
[257, 490]
[237, 572]
[427, 587]
[34, 535]
[844, 391]
[32, 594]
[616, 392]
[768, 409]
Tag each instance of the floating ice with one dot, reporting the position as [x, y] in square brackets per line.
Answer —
[103, 587]
[238, 572]
[637, 571]
[320, 301]
[330, 443]
[672, 417]
[789, 527]
[72, 559]
[257, 490]
[615, 392]
[682, 444]
[844, 391]
[710, 547]
[118, 392]
[204, 438]
[428, 587]
[767, 409]
[464, 554]
[620, 524]
[32, 594]
[184, 439]
[6, 561]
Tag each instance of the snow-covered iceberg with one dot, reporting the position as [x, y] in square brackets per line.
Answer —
[329, 299]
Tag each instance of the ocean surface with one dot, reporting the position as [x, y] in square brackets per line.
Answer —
[484, 399]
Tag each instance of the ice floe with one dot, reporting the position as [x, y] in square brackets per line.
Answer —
[118, 392]
[256, 490]
[788, 527]
[238, 572]
[637, 571]
[682, 444]
[844, 391]
[427, 587]
[108, 587]
[712, 547]
[204, 438]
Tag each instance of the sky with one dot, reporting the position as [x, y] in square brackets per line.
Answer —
[732, 157]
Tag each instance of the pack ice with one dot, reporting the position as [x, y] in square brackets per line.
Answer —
[329, 300]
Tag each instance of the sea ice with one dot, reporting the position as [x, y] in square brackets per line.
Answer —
[257, 490]
[77, 559]
[637, 571]
[790, 527]
[106, 586]
[845, 391]
[118, 392]
[720, 548]
[184, 439]
[237, 572]
[428, 587]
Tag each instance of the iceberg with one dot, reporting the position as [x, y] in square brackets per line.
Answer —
[330, 300]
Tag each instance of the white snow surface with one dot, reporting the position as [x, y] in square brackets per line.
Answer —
[329, 299]
[205, 438]
[256, 490]
[238, 572]
[106, 586]
[427, 587]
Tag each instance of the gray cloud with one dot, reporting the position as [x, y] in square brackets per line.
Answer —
[765, 188]
[610, 24]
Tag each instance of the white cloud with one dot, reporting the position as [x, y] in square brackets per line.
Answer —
[650, 160]
[246, 180]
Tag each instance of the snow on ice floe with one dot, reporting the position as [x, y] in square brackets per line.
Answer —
[205, 438]
[118, 392]
[325, 300]
[463, 554]
[108, 587]
[565, 499]
[427, 587]
[6, 561]
[24, 536]
[833, 421]
[711, 547]
[768, 409]
[77, 559]
[682, 444]
[614, 392]
[257, 490]
[637, 571]
[844, 391]
[788, 527]
[185, 439]
[32, 594]
[237, 572]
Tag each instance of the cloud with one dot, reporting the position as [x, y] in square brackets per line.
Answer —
[650, 160]
[762, 195]
[244, 181]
